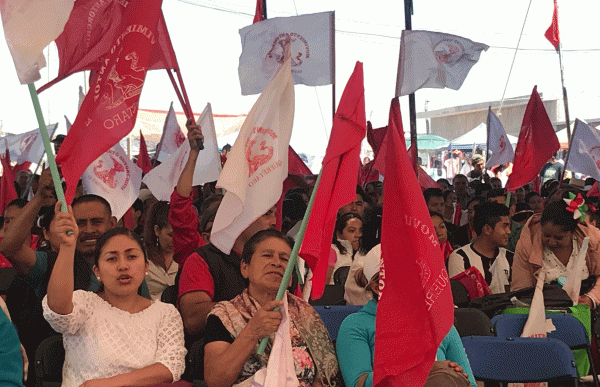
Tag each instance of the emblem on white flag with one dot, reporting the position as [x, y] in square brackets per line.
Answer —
[500, 148]
[435, 60]
[309, 38]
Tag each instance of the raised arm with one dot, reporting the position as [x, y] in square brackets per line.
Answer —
[15, 245]
[60, 285]
[184, 184]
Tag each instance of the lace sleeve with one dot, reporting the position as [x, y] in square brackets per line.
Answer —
[69, 323]
[171, 350]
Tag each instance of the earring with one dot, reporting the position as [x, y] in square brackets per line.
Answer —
[98, 278]
[146, 274]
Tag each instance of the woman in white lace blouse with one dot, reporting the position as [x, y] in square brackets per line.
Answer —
[114, 337]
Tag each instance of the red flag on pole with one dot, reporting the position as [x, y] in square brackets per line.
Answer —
[109, 110]
[425, 181]
[259, 15]
[91, 31]
[416, 278]
[143, 160]
[552, 32]
[536, 145]
[8, 191]
[338, 178]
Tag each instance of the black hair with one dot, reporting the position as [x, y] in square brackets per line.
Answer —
[371, 228]
[19, 203]
[250, 245]
[530, 195]
[46, 217]
[158, 215]
[488, 213]
[138, 205]
[91, 198]
[479, 199]
[590, 181]
[442, 180]
[479, 188]
[293, 207]
[447, 193]
[360, 191]
[209, 216]
[432, 193]
[435, 213]
[114, 232]
[556, 212]
[495, 192]
[340, 224]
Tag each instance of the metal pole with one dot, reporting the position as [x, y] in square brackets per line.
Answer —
[333, 64]
[487, 142]
[412, 102]
[565, 99]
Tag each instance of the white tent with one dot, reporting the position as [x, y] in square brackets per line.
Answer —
[476, 136]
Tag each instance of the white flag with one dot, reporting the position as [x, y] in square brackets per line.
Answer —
[257, 164]
[584, 155]
[172, 136]
[27, 146]
[500, 148]
[162, 179]
[68, 123]
[535, 326]
[435, 60]
[81, 97]
[29, 26]
[114, 177]
[264, 43]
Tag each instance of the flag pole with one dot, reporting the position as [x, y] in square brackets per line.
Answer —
[568, 155]
[412, 102]
[566, 103]
[487, 142]
[47, 147]
[294, 256]
[332, 60]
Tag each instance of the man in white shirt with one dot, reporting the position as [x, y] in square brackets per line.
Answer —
[487, 253]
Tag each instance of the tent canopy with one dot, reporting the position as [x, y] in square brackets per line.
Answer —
[476, 136]
[428, 141]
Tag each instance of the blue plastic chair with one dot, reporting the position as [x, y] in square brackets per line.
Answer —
[568, 330]
[520, 359]
[333, 316]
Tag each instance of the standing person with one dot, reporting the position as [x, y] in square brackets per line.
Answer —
[461, 186]
[487, 253]
[477, 163]
[114, 337]
[158, 241]
[552, 170]
[535, 201]
[452, 211]
[465, 233]
[434, 199]
[442, 234]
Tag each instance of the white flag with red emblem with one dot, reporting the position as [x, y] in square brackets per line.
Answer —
[172, 136]
[114, 177]
[435, 60]
[27, 146]
[309, 38]
[584, 156]
[257, 164]
[500, 148]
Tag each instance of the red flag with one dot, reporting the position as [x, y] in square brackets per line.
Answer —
[425, 181]
[109, 110]
[594, 191]
[552, 32]
[375, 137]
[416, 278]
[91, 31]
[259, 15]
[143, 160]
[537, 142]
[8, 192]
[339, 176]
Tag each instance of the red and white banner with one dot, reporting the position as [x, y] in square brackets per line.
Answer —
[172, 136]
[257, 164]
[416, 278]
[114, 177]
[109, 110]
[27, 146]
[29, 26]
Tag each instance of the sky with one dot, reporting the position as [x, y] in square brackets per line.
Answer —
[205, 36]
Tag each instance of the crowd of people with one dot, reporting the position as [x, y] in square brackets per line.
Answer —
[82, 275]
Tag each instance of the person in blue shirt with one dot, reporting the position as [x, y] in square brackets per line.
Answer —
[356, 341]
[11, 360]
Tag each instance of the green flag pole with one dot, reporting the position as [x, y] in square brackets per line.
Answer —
[508, 199]
[47, 147]
[293, 257]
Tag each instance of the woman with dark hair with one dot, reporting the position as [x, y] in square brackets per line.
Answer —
[346, 242]
[234, 328]
[356, 340]
[114, 337]
[535, 201]
[158, 241]
[551, 241]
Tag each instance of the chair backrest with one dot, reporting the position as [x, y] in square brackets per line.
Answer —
[472, 322]
[169, 295]
[332, 295]
[460, 294]
[333, 316]
[49, 359]
[340, 275]
[568, 329]
[519, 359]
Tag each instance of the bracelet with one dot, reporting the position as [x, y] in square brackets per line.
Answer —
[594, 305]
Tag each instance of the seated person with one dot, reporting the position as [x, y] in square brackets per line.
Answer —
[346, 242]
[552, 240]
[12, 354]
[466, 233]
[487, 253]
[356, 340]
[442, 234]
[235, 327]
[113, 337]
